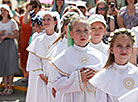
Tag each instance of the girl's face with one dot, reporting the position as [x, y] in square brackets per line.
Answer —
[59, 2]
[80, 33]
[130, 1]
[36, 8]
[48, 22]
[97, 31]
[101, 9]
[122, 49]
[4, 12]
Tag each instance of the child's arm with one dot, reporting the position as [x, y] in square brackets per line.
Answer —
[65, 84]
[34, 64]
[72, 83]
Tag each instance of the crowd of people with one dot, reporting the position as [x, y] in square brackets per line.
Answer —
[69, 53]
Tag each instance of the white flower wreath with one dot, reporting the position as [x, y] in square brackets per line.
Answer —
[122, 31]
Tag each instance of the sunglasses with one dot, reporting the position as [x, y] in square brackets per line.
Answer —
[6, 2]
[35, 6]
[101, 9]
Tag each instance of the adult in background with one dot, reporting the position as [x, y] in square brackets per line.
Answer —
[102, 8]
[113, 11]
[128, 18]
[31, 11]
[82, 7]
[128, 15]
[33, 8]
[25, 33]
[135, 31]
[15, 14]
[59, 6]
[8, 51]
[92, 10]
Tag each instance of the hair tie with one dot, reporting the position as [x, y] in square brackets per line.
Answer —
[69, 39]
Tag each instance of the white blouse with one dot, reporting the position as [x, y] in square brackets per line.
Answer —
[9, 27]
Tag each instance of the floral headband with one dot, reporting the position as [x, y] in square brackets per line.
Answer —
[122, 31]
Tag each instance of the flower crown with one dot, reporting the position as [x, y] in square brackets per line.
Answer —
[122, 31]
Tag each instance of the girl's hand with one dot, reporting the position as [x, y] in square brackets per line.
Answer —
[2, 37]
[54, 92]
[45, 79]
[87, 74]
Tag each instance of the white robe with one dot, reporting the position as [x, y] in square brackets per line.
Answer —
[67, 79]
[37, 64]
[104, 48]
[61, 45]
[131, 96]
[36, 34]
[114, 81]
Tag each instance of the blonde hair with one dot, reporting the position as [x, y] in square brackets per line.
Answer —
[75, 20]
[112, 39]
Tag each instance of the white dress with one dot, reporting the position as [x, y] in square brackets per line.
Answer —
[66, 75]
[37, 64]
[9, 64]
[113, 82]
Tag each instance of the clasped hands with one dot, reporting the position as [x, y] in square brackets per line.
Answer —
[86, 74]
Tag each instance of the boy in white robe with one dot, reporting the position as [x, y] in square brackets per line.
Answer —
[98, 29]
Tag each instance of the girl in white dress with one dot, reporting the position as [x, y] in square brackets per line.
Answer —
[60, 45]
[74, 66]
[37, 63]
[118, 76]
